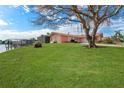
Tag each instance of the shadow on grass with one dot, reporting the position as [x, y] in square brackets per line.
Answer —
[86, 46]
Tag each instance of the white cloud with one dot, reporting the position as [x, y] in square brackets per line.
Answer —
[26, 8]
[3, 23]
[13, 34]
[16, 6]
[118, 23]
[72, 29]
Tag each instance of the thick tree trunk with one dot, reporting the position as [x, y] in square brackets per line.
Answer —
[91, 41]
[93, 37]
[94, 34]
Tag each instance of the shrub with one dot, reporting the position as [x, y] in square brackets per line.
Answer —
[37, 44]
[55, 41]
[108, 40]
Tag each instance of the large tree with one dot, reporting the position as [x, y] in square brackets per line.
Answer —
[91, 17]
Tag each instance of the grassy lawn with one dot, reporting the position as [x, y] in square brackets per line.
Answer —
[62, 65]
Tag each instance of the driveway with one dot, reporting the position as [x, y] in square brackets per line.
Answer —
[109, 45]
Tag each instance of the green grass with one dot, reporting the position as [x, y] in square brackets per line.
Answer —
[62, 65]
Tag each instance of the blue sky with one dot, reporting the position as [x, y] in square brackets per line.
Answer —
[15, 22]
[18, 17]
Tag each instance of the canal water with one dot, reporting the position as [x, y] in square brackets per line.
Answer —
[2, 48]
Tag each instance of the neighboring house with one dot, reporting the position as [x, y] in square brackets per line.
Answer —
[63, 38]
[44, 38]
[22, 42]
[27, 41]
[1, 41]
[15, 43]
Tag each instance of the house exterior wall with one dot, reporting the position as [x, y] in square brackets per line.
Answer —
[56, 38]
[64, 38]
[1, 41]
[41, 38]
[44, 38]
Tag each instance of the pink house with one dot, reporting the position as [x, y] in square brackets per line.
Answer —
[64, 38]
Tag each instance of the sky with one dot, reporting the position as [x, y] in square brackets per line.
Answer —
[16, 23]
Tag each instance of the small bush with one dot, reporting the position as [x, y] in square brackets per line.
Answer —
[55, 41]
[37, 44]
[108, 41]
